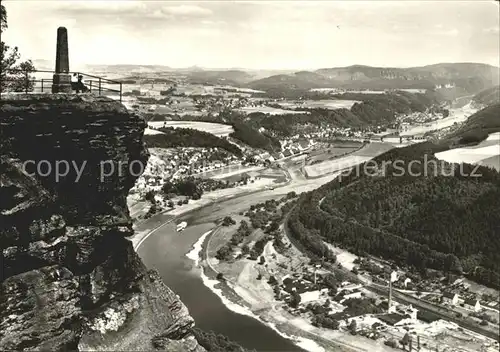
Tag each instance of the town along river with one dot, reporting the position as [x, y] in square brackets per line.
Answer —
[165, 250]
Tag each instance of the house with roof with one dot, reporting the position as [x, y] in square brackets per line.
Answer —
[287, 153]
[391, 318]
[472, 304]
[450, 298]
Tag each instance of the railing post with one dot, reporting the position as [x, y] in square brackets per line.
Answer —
[90, 89]
[99, 85]
[42, 85]
[120, 92]
[27, 82]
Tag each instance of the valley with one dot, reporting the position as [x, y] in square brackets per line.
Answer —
[243, 282]
[250, 176]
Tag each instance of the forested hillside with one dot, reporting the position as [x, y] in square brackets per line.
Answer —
[187, 137]
[439, 216]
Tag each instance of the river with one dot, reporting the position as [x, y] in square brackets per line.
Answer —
[166, 251]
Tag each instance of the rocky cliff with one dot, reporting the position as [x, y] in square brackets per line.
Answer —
[70, 278]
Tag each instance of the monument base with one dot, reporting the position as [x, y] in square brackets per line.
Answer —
[61, 83]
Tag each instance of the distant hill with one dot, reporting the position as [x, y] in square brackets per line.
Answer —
[439, 216]
[471, 77]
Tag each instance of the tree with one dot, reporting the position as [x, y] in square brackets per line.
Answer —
[220, 276]
[405, 340]
[14, 76]
[330, 281]
[224, 253]
[170, 204]
[392, 343]
[244, 227]
[3, 18]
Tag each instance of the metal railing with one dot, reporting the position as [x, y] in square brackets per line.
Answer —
[40, 81]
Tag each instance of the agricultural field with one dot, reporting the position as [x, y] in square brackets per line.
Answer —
[217, 129]
[358, 157]
[411, 90]
[485, 153]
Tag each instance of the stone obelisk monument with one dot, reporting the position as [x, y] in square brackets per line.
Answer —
[61, 82]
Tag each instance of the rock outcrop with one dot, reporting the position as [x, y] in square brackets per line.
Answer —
[70, 279]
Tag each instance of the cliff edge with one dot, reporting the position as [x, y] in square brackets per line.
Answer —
[70, 279]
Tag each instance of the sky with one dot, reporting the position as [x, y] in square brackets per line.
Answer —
[258, 34]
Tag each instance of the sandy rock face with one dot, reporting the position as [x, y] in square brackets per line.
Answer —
[70, 278]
